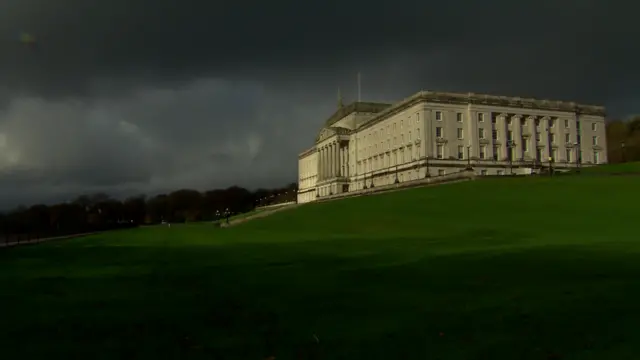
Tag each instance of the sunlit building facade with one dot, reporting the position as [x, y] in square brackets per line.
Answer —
[437, 133]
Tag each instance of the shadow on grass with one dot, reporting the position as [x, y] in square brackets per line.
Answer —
[403, 298]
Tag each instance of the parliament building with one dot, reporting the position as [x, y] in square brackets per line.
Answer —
[366, 144]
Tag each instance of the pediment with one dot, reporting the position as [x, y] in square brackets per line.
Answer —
[325, 134]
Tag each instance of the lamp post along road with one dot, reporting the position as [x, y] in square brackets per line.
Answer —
[469, 157]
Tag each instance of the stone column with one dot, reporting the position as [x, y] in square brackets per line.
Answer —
[501, 126]
[318, 166]
[330, 154]
[545, 134]
[326, 162]
[330, 160]
[533, 144]
[323, 163]
[337, 167]
[517, 137]
[341, 172]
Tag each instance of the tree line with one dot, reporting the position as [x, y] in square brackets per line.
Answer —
[97, 212]
[623, 140]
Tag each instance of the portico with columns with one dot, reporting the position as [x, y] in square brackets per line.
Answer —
[333, 161]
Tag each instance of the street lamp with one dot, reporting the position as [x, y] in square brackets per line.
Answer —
[550, 166]
[624, 157]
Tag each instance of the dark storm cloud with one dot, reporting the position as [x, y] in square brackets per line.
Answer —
[140, 95]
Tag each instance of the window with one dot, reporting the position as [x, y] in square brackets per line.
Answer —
[459, 117]
[483, 172]
[578, 125]
[567, 138]
[568, 155]
[460, 152]
[537, 122]
[440, 152]
[418, 133]
[438, 116]
[409, 136]
[402, 139]
[401, 124]
[538, 154]
[480, 117]
[525, 145]
[594, 126]
[439, 132]
[552, 138]
[595, 140]
[596, 157]
[417, 118]
[493, 120]
[483, 152]
[566, 124]
[538, 136]
[554, 154]
[524, 122]
[394, 128]
[494, 134]
[481, 133]
[460, 133]
[509, 121]
[551, 123]
[441, 172]
[496, 152]
[509, 135]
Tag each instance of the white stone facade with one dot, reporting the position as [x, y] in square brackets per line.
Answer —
[434, 133]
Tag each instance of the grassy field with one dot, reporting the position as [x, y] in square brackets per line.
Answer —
[623, 168]
[505, 268]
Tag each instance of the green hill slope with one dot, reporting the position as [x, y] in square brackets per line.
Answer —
[623, 168]
[490, 269]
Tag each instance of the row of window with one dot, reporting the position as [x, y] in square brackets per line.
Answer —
[495, 136]
[378, 144]
[463, 153]
[511, 153]
[373, 150]
[460, 118]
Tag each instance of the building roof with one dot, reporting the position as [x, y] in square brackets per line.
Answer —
[365, 107]
[466, 99]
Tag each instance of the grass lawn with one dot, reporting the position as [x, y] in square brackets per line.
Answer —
[505, 268]
[623, 168]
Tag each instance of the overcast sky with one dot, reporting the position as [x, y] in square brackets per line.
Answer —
[140, 96]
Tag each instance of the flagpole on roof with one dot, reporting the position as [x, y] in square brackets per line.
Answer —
[359, 88]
